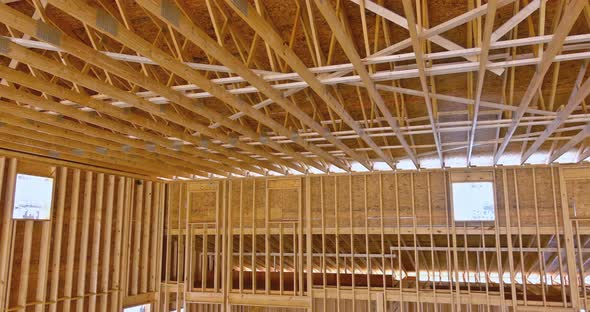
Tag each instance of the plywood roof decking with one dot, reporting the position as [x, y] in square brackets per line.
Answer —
[285, 86]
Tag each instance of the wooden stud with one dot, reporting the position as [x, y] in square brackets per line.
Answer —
[106, 251]
[72, 239]
[62, 178]
[82, 262]
[96, 241]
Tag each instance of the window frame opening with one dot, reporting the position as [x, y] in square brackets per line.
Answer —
[40, 189]
[483, 197]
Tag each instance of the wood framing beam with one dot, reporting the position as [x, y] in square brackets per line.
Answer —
[28, 98]
[25, 24]
[483, 60]
[349, 49]
[407, 24]
[7, 173]
[579, 93]
[63, 127]
[262, 27]
[84, 150]
[515, 20]
[462, 100]
[584, 155]
[196, 35]
[69, 73]
[88, 15]
[341, 69]
[584, 133]
[417, 46]
[38, 148]
[36, 15]
[572, 11]
[460, 20]
[95, 139]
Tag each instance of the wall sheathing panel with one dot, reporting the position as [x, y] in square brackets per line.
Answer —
[379, 242]
[80, 260]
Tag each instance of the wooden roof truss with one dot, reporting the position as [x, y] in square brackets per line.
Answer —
[266, 87]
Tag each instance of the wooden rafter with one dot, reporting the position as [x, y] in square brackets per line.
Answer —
[423, 32]
[584, 133]
[573, 10]
[352, 54]
[201, 39]
[408, 9]
[51, 66]
[85, 12]
[26, 25]
[266, 31]
[229, 100]
[578, 94]
[483, 59]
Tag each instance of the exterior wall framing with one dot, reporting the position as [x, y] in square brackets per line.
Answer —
[80, 260]
[354, 242]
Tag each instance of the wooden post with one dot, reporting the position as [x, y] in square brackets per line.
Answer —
[135, 259]
[118, 247]
[569, 244]
[96, 242]
[80, 290]
[126, 241]
[25, 265]
[7, 223]
[72, 239]
[308, 241]
[55, 266]
[145, 238]
[106, 252]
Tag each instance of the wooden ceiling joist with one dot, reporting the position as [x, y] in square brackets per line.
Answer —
[99, 137]
[579, 93]
[349, 49]
[570, 15]
[483, 59]
[409, 10]
[423, 32]
[98, 106]
[36, 147]
[36, 101]
[88, 15]
[222, 99]
[574, 42]
[26, 25]
[267, 32]
[193, 33]
[55, 144]
[584, 133]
